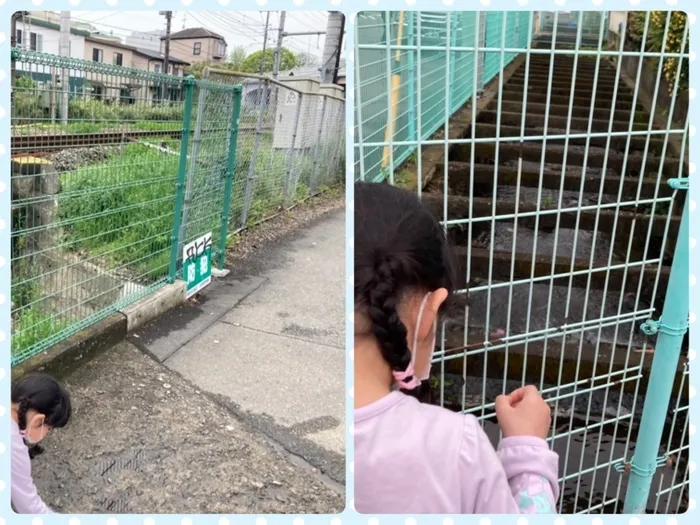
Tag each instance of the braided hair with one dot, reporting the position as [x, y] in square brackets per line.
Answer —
[43, 394]
[399, 246]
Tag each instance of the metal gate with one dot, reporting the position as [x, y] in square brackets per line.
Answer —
[563, 186]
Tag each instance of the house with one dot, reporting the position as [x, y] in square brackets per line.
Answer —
[196, 44]
[149, 60]
[110, 88]
[39, 34]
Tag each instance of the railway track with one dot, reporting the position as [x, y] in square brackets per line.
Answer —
[39, 144]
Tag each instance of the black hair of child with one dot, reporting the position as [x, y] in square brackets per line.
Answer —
[399, 246]
[46, 396]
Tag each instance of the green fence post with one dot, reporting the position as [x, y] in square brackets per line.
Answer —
[189, 83]
[230, 169]
[671, 327]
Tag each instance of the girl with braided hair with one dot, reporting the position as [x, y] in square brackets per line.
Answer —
[412, 457]
[39, 404]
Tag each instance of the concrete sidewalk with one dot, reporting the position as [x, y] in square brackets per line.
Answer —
[267, 343]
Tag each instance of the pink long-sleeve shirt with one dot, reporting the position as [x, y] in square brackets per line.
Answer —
[24, 497]
[415, 458]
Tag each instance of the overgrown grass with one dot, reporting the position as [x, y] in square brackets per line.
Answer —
[31, 324]
[121, 210]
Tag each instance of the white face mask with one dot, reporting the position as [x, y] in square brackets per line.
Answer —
[412, 378]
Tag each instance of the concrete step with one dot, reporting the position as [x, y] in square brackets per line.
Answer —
[602, 95]
[583, 79]
[554, 154]
[536, 122]
[617, 144]
[562, 110]
[580, 101]
[603, 220]
[504, 264]
[549, 176]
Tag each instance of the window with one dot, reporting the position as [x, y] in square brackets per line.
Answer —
[118, 59]
[97, 55]
[97, 92]
[197, 48]
[36, 42]
[156, 68]
[222, 48]
[19, 38]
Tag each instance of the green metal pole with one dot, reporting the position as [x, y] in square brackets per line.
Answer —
[671, 327]
[189, 83]
[230, 168]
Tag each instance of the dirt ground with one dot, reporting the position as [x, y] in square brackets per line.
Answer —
[144, 440]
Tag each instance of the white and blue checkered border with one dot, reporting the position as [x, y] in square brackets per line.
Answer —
[349, 516]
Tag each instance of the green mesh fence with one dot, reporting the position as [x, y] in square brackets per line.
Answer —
[404, 82]
[291, 143]
[99, 172]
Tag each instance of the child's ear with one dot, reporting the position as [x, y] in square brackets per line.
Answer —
[436, 300]
[38, 420]
[430, 313]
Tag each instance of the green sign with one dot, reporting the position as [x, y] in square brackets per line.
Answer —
[196, 265]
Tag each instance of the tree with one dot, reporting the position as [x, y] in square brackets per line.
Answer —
[306, 60]
[252, 62]
[236, 59]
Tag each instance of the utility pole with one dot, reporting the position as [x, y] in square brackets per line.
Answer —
[64, 51]
[278, 50]
[13, 43]
[331, 49]
[282, 35]
[340, 51]
[166, 57]
[262, 57]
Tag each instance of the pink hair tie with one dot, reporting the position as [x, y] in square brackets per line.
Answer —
[401, 377]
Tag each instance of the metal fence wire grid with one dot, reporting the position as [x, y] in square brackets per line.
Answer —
[114, 170]
[553, 148]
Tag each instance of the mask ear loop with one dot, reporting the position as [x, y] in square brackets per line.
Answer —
[406, 379]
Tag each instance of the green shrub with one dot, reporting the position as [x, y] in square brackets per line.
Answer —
[654, 41]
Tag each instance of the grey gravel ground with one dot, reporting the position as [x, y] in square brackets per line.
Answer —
[143, 440]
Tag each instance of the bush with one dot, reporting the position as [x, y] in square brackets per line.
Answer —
[654, 41]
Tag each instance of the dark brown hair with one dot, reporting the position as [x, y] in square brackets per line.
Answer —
[399, 246]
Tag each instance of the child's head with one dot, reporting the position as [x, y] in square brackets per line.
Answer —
[403, 274]
[41, 404]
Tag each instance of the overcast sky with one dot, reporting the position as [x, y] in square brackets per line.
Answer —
[239, 28]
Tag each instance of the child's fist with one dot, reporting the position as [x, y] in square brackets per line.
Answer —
[523, 413]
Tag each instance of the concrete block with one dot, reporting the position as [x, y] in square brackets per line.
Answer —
[154, 305]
